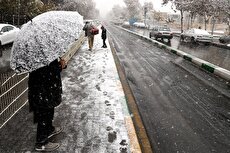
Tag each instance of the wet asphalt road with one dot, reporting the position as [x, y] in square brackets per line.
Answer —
[215, 55]
[184, 109]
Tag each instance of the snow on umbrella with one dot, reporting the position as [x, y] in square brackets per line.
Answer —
[44, 39]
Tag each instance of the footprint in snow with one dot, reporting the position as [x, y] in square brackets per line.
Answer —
[98, 87]
[112, 115]
[105, 93]
[107, 103]
[112, 136]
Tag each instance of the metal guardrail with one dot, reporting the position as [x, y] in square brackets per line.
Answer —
[75, 46]
[13, 94]
[14, 88]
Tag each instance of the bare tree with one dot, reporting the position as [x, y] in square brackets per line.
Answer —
[147, 7]
[86, 8]
[134, 8]
[17, 10]
[119, 12]
[182, 6]
[205, 9]
[158, 16]
[208, 9]
[216, 7]
[225, 9]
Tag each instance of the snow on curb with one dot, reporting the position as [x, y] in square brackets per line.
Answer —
[93, 75]
[203, 64]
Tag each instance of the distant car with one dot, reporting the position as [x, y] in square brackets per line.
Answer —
[139, 24]
[225, 39]
[125, 24]
[7, 33]
[197, 35]
[162, 32]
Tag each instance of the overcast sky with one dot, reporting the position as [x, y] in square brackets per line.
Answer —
[105, 5]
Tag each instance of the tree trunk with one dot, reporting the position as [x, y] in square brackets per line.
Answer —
[205, 23]
[228, 29]
[213, 24]
[188, 21]
[182, 19]
[192, 19]
[228, 26]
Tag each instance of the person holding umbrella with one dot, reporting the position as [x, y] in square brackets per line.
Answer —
[37, 50]
[103, 36]
[44, 91]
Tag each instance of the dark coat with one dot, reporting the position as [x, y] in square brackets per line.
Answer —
[103, 33]
[45, 87]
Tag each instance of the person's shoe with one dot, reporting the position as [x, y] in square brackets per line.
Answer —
[56, 131]
[47, 147]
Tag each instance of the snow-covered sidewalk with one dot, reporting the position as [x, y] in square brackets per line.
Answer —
[94, 106]
[93, 112]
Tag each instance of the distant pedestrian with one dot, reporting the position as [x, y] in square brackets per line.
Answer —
[87, 28]
[44, 92]
[103, 36]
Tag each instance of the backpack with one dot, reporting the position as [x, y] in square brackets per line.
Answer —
[94, 30]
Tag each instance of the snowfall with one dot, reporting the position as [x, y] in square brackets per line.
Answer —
[96, 103]
[93, 111]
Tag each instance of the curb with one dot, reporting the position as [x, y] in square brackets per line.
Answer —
[220, 45]
[139, 141]
[134, 143]
[221, 72]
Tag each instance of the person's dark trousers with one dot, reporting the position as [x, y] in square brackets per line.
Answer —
[104, 44]
[44, 126]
